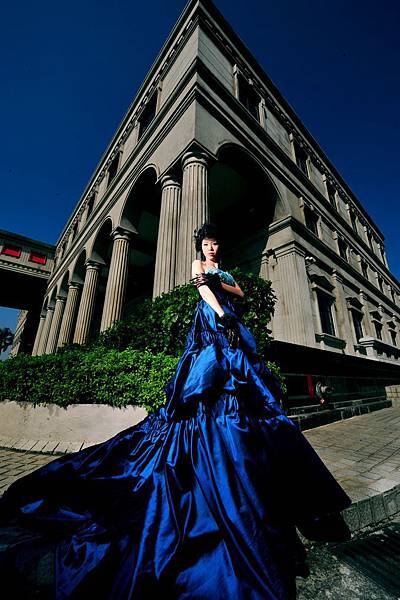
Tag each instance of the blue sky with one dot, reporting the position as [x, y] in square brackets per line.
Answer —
[69, 71]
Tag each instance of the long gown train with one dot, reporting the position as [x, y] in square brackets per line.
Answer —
[198, 501]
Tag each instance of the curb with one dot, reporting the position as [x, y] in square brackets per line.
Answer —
[374, 510]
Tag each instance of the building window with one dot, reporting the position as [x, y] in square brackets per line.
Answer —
[35, 257]
[113, 168]
[301, 158]
[331, 194]
[393, 295]
[248, 96]
[343, 249]
[364, 269]
[311, 219]
[325, 303]
[378, 330]
[382, 253]
[10, 250]
[393, 336]
[357, 322]
[148, 114]
[380, 283]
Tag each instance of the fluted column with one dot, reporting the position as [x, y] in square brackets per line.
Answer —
[343, 315]
[66, 329]
[368, 327]
[86, 305]
[294, 315]
[117, 279]
[46, 330]
[55, 325]
[165, 267]
[194, 210]
[39, 332]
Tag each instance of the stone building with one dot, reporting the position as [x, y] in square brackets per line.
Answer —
[209, 136]
[25, 267]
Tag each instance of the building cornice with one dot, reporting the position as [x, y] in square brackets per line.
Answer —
[223, 37]
[164, 61]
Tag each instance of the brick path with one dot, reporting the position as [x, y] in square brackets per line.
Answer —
[363, 452]
[15, 464]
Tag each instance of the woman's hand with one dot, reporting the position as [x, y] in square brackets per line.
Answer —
[211, 279]
[231, 329]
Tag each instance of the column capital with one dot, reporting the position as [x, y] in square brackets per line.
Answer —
[119, 233]
[336, 275]
[169, 180]
[195, 157]
[74, 285]
[93, 264]
[61, 298]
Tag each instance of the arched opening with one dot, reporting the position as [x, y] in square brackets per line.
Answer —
[78, 274]
[63, 290]
[101, 253]
[242, 204]
[141, 214]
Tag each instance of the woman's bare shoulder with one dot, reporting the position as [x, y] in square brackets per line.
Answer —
[197, 267]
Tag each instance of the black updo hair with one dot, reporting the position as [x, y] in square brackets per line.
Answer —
[207, 230]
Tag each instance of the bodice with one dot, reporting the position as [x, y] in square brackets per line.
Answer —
[225, 276]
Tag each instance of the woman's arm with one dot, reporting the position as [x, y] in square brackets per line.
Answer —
[205, 291]
[233, 289]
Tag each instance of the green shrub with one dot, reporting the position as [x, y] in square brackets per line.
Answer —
[113, 377]
[131, 362]
[162, 324]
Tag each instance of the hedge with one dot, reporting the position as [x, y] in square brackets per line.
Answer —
[131, 362]
[113, 377]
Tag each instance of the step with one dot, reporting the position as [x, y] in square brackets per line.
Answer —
[331, 415]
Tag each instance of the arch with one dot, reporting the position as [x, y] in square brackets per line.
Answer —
[140, 214]
[101, 252]
[244, 201]
[62, 288]
[78, 270]
[50, 299]
[149, 175]
[98, 248]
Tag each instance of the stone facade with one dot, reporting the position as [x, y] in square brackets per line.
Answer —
[25, 267]
[208, 135]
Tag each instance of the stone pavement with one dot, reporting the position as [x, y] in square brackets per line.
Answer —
[363, 453]
[15, 464]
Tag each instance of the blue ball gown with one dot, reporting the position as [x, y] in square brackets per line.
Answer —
[200, 500]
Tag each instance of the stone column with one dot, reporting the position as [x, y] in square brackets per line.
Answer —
[343, 315]
[117, 278]
[86, 305]
[55, 325]
[194, 210]
[46, 330]
[38, 334]
[368, 327]
[164, 273]
[294, 315]
[66, 329]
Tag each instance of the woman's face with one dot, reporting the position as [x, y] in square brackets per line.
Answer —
[210, 247]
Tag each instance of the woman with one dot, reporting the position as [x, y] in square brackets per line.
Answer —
[201, 499]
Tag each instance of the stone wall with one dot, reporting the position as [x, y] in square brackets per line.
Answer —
[393, 394]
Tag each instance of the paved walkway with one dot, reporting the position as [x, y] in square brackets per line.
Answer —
[362, 452]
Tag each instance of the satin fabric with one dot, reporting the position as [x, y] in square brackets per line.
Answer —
[197, 501]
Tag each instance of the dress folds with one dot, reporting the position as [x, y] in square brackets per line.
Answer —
[200, 500]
